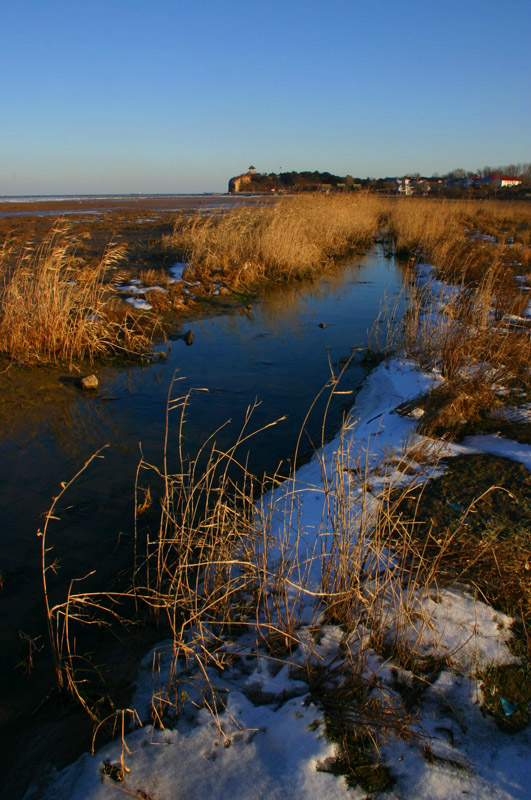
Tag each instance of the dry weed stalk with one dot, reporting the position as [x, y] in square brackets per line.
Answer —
[222, 564]
[55, 635]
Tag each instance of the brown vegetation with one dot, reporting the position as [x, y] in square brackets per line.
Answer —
[292, 238]
[67, 278]
[210, 566]
[55, 308]
[214, 572]
[449, 233]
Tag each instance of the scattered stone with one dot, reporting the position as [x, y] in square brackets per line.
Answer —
[88, 382]
[322, 324]
[189, 338]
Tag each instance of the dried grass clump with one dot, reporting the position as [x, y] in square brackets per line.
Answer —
[55, 308]
[474, 334]
[290, 239]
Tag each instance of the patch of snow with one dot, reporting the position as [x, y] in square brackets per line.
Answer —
[268, 754]
[467, 631]
[156, 289]
[497, 446]
[136, 302]
[484, 237]
[513, 413]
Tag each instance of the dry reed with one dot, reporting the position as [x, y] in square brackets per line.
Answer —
[290, 239]
[459, 237]
[55, 308]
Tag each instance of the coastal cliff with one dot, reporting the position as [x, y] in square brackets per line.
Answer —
[253, 181]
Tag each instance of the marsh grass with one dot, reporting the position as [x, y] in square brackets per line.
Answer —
[450, 234]
[293, 238]
[470, 335]
[56, 308]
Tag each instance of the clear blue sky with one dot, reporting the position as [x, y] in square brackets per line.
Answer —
[175, 96]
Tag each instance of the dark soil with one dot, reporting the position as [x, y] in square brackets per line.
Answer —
[490, 546]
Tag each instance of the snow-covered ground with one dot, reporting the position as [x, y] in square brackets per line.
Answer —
[267, 738]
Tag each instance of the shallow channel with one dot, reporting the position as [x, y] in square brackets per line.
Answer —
[279, 352]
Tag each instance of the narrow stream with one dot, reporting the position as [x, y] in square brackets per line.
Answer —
[279, 352]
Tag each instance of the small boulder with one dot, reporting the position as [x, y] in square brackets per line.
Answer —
[88, 382]
[322, 324]
[189, 338]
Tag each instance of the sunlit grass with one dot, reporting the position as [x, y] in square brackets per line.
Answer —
[56, 308]
[292, 238]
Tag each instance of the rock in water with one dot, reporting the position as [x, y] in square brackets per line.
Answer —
[88, 382]
[322, 324]
[189, 338]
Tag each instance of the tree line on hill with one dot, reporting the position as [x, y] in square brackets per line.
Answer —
[457, 182]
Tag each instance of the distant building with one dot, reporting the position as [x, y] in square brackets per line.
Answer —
[405, 185]
[501, 181]
[506, 181]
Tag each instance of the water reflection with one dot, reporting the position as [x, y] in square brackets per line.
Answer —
[83, 425]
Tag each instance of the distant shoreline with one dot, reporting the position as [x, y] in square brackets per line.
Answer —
[42, 205]
[36, 198]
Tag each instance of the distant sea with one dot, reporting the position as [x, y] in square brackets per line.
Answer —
[61, 204]
[39, 198]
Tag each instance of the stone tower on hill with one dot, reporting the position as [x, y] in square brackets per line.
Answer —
[236, 184]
